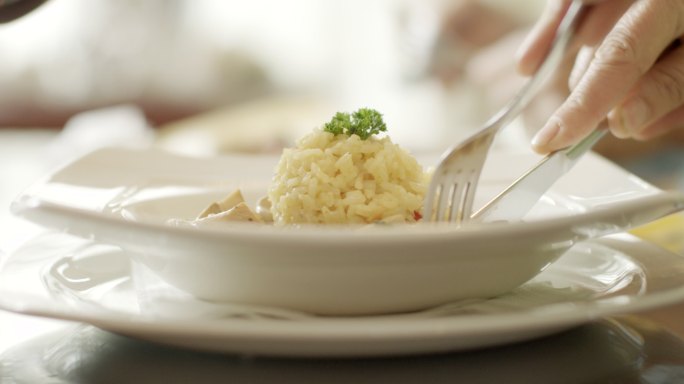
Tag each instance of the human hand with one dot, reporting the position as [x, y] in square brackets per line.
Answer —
[629, 68]
[14, 9]
[467, 28]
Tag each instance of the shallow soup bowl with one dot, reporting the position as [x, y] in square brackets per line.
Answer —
[129, 197]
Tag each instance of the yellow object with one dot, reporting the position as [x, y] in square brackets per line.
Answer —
[667, 232]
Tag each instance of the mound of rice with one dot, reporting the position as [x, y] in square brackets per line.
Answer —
[335, 179]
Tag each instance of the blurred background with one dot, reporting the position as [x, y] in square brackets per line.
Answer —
[205, 77]
[277, 66]
[209, 76]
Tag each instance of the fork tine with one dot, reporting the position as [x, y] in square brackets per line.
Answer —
[452, 207]
[429, 204]
[468, 200]
[443, 201]
[449, 192]
[450, 199]
[460, 193]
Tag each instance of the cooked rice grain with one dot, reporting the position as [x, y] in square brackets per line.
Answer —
[330, 179]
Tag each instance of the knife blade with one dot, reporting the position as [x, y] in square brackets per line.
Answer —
[514, 202]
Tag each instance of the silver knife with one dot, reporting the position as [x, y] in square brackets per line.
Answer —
[518, 198]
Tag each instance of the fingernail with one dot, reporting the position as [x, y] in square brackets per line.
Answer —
[631, 116]
[546, 135]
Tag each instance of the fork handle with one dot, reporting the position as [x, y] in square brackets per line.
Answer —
[551, 62]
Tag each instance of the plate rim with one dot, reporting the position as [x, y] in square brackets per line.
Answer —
[31, 206]
[580, 226]
[329, 334]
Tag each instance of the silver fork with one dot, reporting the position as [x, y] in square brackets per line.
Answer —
[452, 189]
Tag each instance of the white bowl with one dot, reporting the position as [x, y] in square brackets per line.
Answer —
[125, 197]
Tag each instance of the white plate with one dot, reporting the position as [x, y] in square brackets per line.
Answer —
[126, 197]
[59, 276]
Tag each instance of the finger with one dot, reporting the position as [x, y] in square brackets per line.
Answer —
[538, 42]
[658, 92]
[582, 62]
[595, 26]
[534, 48]
[673, 120]
[599, 20]
[630, 48]
[486, 65]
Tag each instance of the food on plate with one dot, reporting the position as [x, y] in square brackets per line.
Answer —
[341, 173]
[345, 174]
[240, 212]
[263, 209]
[227, 203]
[231, 208]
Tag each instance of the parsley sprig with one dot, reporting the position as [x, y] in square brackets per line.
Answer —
[364, 123]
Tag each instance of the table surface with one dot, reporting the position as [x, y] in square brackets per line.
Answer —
[645, 347]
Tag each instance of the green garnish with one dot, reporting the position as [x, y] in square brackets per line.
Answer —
[340, 123]
[364, 123]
